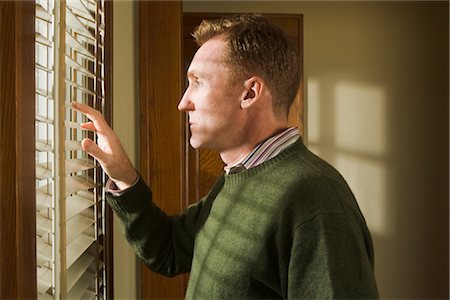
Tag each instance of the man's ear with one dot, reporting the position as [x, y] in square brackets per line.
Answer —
[253, 90]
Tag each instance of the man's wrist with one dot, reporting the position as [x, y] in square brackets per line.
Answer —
[128, 182]
[112, 188]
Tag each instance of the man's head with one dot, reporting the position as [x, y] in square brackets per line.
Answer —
[256, 47]
[242, 81]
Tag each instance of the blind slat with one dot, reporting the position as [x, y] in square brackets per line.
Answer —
[41, 260]
[79, 267]
[78, 202]
[77, 291]
[44, 223]
[79, 87]
[73, 64]
[44, 93]
[42, 40]
[45, 297]
[44, 171]
[75, 24]
[43, 68]
[43, 248]
[81, 9]
[76, 226]
[43, 119]
[89, 295]
[44, 145]
[44, 279]
[77, 248]
[43, 14]
[78, 47]
[73, 125]
[77, 183]
[43, 197]
[87, 19]
[79, 164]
[72, 145]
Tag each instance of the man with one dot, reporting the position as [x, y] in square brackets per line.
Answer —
[281, 222]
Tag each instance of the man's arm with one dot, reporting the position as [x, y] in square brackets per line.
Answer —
[165, 244]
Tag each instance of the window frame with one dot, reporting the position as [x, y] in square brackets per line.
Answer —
[17, 153]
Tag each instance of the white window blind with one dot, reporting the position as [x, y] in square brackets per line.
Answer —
[70, 208]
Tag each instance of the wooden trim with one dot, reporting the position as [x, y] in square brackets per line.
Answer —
[160, 89]
[108, 113]
[159, 64]
[17, 165]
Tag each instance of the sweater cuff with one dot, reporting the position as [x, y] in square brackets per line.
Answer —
[133, 200]
[113, 189]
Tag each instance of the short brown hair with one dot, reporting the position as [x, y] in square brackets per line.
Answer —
[257, 47]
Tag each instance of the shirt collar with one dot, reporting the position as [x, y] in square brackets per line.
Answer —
[264, 151]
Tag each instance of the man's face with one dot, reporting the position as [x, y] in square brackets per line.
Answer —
[215, 115]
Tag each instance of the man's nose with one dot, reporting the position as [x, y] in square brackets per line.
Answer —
[185, 104]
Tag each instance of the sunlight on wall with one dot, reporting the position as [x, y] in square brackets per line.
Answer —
[360, 118]
[348, 128]
[360, 137]
[370, 181]
[313, 111]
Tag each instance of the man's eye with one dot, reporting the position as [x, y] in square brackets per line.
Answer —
[195, 82]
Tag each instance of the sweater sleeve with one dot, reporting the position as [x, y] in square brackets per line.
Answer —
[164, 243]
[328, 261]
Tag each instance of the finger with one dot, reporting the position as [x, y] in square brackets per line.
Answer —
[93, 149]
[92, 114]
[84, 108]
[88, 126]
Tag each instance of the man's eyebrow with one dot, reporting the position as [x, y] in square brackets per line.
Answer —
[193, 73]
[197, 74]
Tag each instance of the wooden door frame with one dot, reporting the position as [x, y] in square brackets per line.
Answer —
[161, 147]
[17, 172]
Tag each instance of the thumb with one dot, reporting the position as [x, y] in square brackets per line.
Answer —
[92, 149]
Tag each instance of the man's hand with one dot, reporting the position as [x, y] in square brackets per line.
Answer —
[109, 151]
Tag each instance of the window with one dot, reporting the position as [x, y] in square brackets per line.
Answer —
[71, 218]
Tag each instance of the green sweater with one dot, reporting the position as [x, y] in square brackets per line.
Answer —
[288, 228]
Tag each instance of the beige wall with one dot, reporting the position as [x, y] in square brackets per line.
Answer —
[125, 118]
[376, 77]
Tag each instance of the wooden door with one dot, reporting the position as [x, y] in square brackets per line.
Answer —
[178, 174]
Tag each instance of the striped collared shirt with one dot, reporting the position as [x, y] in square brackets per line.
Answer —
[265, 151]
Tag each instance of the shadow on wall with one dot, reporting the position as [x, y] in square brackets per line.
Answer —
[401, 187]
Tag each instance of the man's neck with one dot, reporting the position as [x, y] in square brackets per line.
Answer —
[232, 156]
[236, 154]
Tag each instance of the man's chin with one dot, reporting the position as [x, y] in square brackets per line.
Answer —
[195, 147]
[194, 144]
[199, 144]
